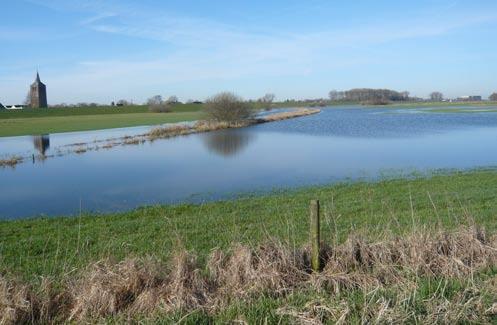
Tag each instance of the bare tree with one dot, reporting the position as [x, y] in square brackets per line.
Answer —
[157, 105]
[123, 102]
[333, 95]
[227, 106]
[172, 100]
[267, 100]
[154, 100]
[436, 96]
[493, 97]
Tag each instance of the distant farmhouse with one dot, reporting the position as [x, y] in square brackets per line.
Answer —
[38, 93]
[15, 106]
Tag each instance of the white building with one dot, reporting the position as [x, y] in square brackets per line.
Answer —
[15, 106]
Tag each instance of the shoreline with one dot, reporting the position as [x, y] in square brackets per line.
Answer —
[56, 253]
[446, 175]
[160, 132]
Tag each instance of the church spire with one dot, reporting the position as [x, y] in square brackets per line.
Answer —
[38, 93]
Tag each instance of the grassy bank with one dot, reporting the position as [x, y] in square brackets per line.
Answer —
[47, 246]
[55, 120]
[58, 248]
[46, 125]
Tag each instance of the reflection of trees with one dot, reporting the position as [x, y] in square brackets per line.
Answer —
[41, 143]
[228, 142]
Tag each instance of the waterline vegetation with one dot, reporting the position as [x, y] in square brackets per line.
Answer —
[165, 132]
[10, 162]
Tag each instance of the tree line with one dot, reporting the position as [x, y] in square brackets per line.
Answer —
[368, 94]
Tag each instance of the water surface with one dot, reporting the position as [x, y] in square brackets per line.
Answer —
[337, 144]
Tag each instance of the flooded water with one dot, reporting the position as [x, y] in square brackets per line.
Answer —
[337, 144]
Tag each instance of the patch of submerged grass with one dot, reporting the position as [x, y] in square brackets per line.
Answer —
[212, 125]
[11, 162]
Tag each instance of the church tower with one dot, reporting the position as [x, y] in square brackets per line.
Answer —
[38, 93]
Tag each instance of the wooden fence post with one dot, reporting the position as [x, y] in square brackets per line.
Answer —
[315, 236]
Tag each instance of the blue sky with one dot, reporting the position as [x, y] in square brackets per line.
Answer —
[103, 50]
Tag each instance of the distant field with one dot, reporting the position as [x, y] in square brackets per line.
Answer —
[56, 120]
[444, 104]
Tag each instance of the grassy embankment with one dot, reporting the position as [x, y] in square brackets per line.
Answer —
[434, 279]
[54, 120]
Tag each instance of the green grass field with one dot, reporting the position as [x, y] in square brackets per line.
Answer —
[56, 120]
[52, 246]
[61, 247]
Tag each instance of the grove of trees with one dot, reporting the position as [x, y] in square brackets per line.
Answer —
[436, 96]
[493, 97]
[368, 94]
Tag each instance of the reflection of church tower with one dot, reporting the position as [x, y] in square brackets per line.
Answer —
[41, 143]
[38, 93]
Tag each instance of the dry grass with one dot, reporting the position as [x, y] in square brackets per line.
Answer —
[168, 131]
[147, 288]
[10, 162]
[213, 125]
[288, 115]
[80, 150]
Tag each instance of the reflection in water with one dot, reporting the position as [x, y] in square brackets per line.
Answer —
[41, 143]
[228, 143]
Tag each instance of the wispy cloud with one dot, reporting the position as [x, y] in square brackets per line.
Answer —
[204, 49]
[98, 17]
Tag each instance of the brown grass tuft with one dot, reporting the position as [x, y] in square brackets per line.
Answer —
[145, 287]
[288, 115]
[107, 289]
[244, 271]
[440, 254]
[80, 150]
[11, 162]
[168, 131]
[16, 302]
